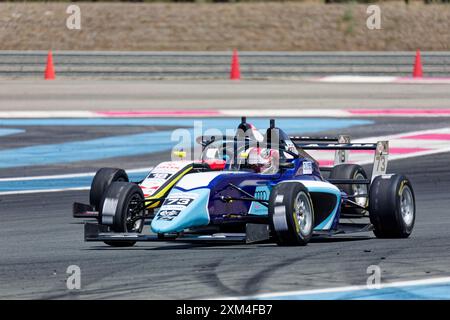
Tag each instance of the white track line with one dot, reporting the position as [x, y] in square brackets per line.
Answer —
[56, 177]
[5, 193]
[397, 284]
[380, 79]
[66, 176]
[49, 177]
[357, 79]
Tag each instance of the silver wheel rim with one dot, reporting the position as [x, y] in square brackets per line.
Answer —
[360, 189]
[407, 206]
[303, 212]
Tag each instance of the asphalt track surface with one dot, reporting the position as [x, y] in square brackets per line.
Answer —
[39, 239]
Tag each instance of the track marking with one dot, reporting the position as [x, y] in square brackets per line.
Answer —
[5, 193]
[322, 293]
[399, 112]
[331, 113]
[218, 113]
[401, 146]
[380, 79]
[141, 143]
[404, 145]
[338, 113]
[8, 132]
[430, 136]
[356, 79]
[66, 176]
[51, 183]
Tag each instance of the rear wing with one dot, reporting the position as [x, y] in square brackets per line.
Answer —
[342, 145]
[340, 156]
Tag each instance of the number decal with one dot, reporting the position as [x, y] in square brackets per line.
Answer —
[178, 202]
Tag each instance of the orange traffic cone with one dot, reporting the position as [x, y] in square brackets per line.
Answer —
[49, 69]
[235, 73]
[417, 72]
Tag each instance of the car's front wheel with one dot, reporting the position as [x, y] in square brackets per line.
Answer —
[291, 214]
[123, 210]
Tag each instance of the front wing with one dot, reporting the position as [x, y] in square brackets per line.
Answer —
[255, 233]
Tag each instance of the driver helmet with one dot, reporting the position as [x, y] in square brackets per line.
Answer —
[263, 160]
[249, 130]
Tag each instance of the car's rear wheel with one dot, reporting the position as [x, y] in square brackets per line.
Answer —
[353, 172]
[291, 214]
[392, 208]
[123, 210]
[102, 180]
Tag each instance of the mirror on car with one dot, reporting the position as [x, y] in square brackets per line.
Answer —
[286, 165]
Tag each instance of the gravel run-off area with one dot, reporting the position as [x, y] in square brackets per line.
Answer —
[268, 26]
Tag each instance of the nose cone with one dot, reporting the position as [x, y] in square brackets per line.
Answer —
[182, 210]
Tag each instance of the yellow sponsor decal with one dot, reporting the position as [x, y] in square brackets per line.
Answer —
[163, 191]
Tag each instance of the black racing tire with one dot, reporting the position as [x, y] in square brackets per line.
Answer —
[351, 171]
[392, 208]
[291, 227]
[121, 201]
[102, 180]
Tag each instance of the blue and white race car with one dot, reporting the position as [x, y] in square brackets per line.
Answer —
[252, 187]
